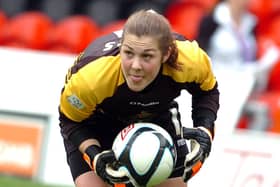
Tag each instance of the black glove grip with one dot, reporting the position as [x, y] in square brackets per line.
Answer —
[91, 152]
[200, 136]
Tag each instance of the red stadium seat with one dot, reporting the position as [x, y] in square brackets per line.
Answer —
[113, 26]
[27, 30]
[273, 29]
[264, 42]
[185, 18]
[3, 20]
[264, 9]
[73, 34]
[274, 78]
[207, 5]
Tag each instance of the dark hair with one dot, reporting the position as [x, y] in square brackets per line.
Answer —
[150, 23]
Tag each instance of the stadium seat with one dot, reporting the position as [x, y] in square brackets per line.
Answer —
[264, 42]
[3, 18]
[27, 30]
[113, 26]
[72, 34]
[185, 18]
[264, 9]
[274, 78]
[207, 5]
[273, 29]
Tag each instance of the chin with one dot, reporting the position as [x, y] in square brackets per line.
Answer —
[136, 88]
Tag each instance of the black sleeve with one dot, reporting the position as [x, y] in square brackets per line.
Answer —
[206, 29]
[205, 105]
[73, 131]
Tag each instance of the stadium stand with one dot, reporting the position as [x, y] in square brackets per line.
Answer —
[57, 9]
[178, 13]
[112, 26]
[101, 11]
[72, 34]
[14, 7]
[26, 30]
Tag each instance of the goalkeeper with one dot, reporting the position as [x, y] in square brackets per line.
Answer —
[134, 75]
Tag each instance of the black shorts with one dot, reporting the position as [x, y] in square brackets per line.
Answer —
[105, 128]
[78, 166]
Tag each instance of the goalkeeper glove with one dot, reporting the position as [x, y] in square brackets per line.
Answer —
[104, 165]
[201, 141]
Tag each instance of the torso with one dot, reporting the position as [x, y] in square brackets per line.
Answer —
[101, 85]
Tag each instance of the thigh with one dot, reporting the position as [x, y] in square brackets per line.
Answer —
[103, 131]
[178, 182]
[82, 174]
[89, 179]
[77, 164]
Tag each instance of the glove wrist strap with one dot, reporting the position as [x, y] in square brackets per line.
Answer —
[90, 153]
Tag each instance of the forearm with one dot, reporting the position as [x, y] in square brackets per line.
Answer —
[205, 108]
[86, 143]
[205, 118]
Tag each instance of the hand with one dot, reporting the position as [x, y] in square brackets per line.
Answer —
[104, 165]
[201, 141]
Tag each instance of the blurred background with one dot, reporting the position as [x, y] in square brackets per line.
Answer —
[39, 40]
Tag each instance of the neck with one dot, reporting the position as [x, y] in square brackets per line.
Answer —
[236, 13]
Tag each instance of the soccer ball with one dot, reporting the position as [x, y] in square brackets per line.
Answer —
[146, 153]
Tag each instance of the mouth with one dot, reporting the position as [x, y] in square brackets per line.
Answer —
[136, 78]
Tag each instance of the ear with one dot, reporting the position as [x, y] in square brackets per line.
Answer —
[167, 55]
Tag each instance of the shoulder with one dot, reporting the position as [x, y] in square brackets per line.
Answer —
[107, 45]
[103, 49]
[189, 51]
[195, 63]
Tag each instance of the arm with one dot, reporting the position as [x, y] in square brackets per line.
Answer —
[100, 161]
[205, 105]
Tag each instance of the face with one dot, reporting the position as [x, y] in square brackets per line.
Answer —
[141, 60]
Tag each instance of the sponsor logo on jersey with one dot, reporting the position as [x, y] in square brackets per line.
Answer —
[75, 101]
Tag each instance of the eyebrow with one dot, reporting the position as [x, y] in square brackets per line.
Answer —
[146, 50]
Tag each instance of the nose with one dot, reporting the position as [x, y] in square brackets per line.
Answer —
[136, 63]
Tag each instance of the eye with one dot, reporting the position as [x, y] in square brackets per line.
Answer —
[129, 54]
[147, 57]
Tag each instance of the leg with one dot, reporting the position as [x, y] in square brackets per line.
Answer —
[89, 179]
[82, 175]
[172, 182]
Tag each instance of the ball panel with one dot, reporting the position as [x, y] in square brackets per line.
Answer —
[163, 170]
[142, 154]
[146, 153]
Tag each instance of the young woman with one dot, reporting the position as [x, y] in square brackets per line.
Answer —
[129, 76]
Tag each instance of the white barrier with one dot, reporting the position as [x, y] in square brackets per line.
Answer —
[30, 87]
[245, 159]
